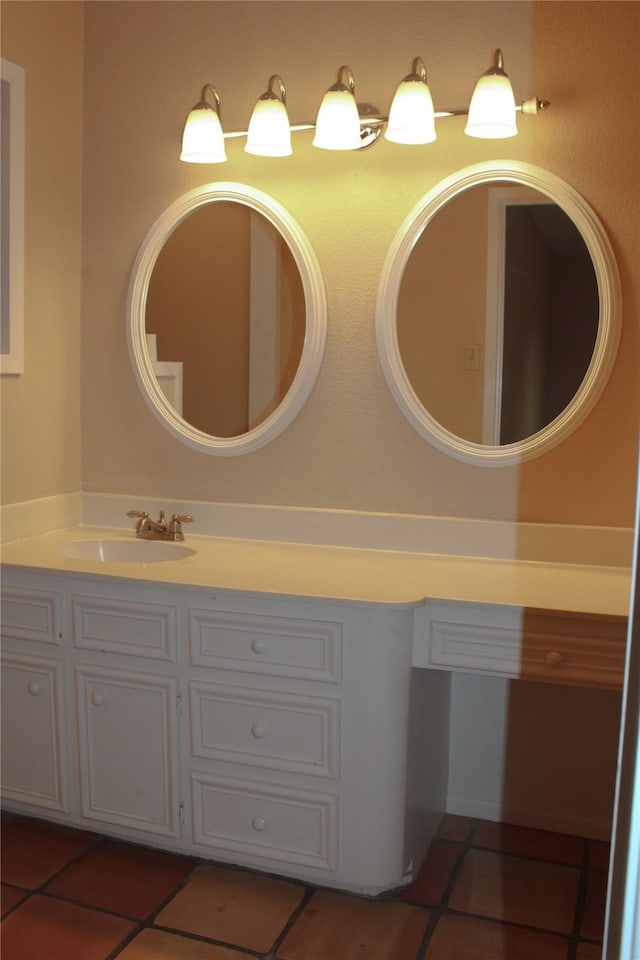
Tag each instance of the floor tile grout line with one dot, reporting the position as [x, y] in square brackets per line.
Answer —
[97, 839]
[200, 938]
[440, 909]
[434, 918]
[125, 942]
[529, 856]
[578, 914]
[456, 867]
[563, 935]
[309, 894]
[197, 867]
[12, 909]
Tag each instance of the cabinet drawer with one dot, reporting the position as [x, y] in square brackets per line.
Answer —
[260, 727]
[270, 822]
[280, 646]
[552, 646]
[32, 614]
[125, 626]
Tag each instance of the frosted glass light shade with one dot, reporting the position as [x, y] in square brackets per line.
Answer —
[269, 132]
[203, 140]
[411, 117]
[492, 111]
[338, 121]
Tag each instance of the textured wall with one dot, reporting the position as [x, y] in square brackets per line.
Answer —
[350, 447]
[41, 408]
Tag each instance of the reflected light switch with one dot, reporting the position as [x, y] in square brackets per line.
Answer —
[472, 356]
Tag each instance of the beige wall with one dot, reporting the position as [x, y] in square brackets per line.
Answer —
[41, 408]
[350, 448]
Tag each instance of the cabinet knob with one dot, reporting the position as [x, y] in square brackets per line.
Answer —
[34, 689]
[553, 658]
[259, 824]
[97, 699]
[259, 731]
[258, 645]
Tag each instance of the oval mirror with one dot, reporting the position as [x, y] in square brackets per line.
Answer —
[226, 318]
[498, 313]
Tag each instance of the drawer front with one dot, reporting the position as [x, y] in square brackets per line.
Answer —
[259, 727]
[556, 647]
[280, 646]
[269, 822]
[31, 614]
[125, 626]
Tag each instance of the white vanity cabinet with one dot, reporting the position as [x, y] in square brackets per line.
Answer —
[34, 701]
[299, 712]
[269, 731]
[127, 715]
[265, 709]
[98, 709]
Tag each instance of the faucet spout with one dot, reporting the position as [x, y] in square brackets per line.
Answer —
[159, 529]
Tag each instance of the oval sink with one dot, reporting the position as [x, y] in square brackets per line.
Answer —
[125, 551]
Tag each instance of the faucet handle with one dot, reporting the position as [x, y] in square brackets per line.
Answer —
[142, 514]
[181, 518]
[175, 525]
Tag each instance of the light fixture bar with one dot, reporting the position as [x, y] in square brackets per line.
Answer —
[530, 107]
[345, 124]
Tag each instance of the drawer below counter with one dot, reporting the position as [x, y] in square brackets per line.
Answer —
[521, 643]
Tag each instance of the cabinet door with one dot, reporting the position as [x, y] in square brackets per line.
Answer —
[127, 734]
[32, 760]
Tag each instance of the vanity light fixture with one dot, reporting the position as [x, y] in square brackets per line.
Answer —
[344, 124]
[203, 139]
[492, 111]
[412, 117]
[269, 132]
[338, 120]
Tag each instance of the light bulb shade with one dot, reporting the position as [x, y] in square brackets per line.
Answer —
[338, 120]
[492, 111]
[203, 140]
[411, 117]
[269, 133]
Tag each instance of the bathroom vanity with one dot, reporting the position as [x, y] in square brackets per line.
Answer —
[278, 705]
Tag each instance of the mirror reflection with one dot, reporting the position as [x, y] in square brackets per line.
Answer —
[225, 318]
[497, 313]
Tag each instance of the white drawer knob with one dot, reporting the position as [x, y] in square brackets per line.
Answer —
[97, 699]
[34, 689]
[259, 731]
[259, 824]
[258, 645]
[553, 658]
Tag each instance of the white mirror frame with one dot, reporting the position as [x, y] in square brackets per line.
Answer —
[609, 325]
[315, 318]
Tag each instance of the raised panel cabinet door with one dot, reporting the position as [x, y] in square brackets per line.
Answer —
[32, 756]
[127, 738]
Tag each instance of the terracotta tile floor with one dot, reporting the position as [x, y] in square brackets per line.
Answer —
[485, 892]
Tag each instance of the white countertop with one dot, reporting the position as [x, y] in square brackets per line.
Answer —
[344, 574]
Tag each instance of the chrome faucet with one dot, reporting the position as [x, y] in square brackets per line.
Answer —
[160, 529]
